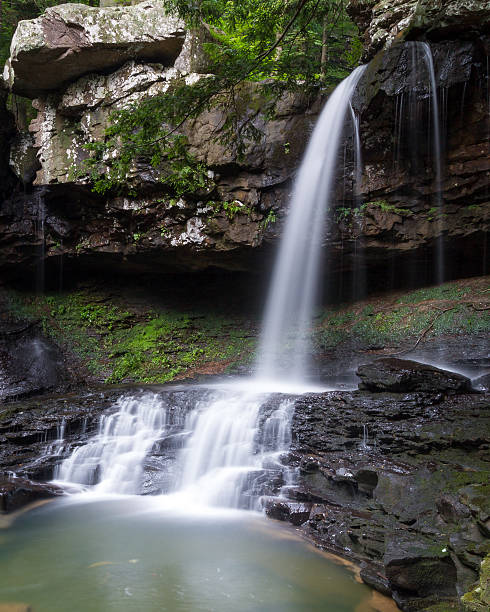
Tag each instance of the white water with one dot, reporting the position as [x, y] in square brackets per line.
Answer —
[112, 461]
[226, 454]
[235, 436]
[284, 347]
[437, 153]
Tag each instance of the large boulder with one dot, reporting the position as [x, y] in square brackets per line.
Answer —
[403, 375]
[29, 363]
[70, 40]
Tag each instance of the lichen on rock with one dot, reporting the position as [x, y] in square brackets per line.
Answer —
[70, 40]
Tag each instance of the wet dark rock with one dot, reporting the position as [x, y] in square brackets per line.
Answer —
[398, 485]
[403, 376]
[29, 363]
[18, 492]
[281, 510]
[419, 567]
[482, 383]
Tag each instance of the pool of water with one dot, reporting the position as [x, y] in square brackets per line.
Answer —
[134, 554]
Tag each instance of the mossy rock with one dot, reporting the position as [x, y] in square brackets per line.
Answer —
[478, 599]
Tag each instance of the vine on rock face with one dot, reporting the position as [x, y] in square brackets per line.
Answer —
[292, 45]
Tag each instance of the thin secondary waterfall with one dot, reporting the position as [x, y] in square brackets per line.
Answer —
[437, 153]
[359, 274]
[234, 436]
[284, 347]
[411, 113]
[40, 234]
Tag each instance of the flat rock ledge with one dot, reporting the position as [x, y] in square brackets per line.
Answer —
[404, 376]
[16, 493]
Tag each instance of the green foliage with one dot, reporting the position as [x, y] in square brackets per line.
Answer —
[151, 347]
[296, 44]
[349, 215]
[140, 135]
[442, 292]
[271, 218]
[407, 319]
[231, 209]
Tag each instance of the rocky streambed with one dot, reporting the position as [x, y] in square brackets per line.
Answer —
[393, 476]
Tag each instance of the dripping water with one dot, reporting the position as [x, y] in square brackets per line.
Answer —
[40, 206]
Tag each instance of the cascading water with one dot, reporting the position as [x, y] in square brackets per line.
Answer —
[359, 274]
[234, 436]
[411, 113]
[112, 461]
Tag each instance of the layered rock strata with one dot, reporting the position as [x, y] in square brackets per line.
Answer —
[397, 481]
[399, 208]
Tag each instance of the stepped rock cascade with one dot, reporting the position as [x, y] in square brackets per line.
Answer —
[227, 452]
[112, 460]
[295, 281]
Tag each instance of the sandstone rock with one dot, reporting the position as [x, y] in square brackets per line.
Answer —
[70, 40]
[23, 157]
[401, 375]
[7, 131]
[165, 225]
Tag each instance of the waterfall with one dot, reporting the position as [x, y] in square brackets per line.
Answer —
[284, 347]
[410, 111]
[234, 436]
[38, 196]
[112, 461]
[359, 272]
[436, 137]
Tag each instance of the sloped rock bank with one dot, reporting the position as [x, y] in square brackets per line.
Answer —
[397, 482]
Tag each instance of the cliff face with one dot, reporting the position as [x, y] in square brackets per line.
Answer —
[220, 225]
[81, 73]
[390, 21]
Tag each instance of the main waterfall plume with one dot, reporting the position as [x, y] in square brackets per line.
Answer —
[291, 299]
[234, 435]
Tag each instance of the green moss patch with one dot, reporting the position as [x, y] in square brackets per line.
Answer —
[456, 308]
[119, 344]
